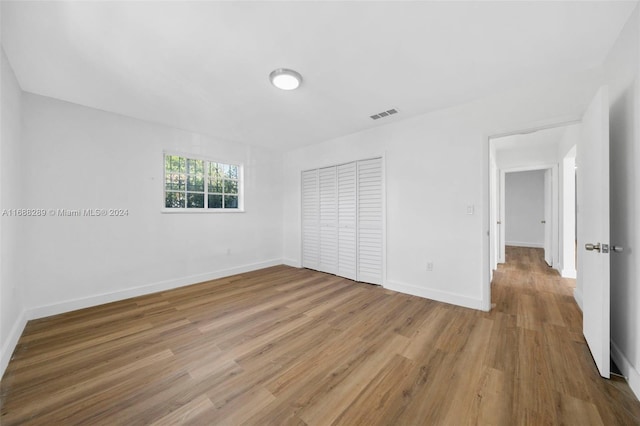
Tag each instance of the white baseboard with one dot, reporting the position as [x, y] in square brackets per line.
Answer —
[628, 370]
[577, 295]
[12, 341]
[569, 273]
[292, 262]
[100, 299]
[438, 295]
[521, 244]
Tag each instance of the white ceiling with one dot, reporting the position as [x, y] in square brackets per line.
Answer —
[204, 66]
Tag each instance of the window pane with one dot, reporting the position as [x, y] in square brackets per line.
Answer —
[195, 183]
[215, 170]
[230, 187]
[215, 185]
[195, 200]
[231, 171]
[172, 163]
[195, 166]
[174, 182]
[177, 163]
[215, 201]
[230, 201]
[174, 200]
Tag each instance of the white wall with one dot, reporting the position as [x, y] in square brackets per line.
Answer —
[527, 156]
[11, 292]
[570, 139]
[78, 157]
[436, 165]
[623, 66]
[524, 208]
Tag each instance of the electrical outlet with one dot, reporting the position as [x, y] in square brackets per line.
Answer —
[429, 266]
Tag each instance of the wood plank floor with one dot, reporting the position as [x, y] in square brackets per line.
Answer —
[284, 346]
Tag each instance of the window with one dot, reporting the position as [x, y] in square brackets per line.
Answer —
[193, 184]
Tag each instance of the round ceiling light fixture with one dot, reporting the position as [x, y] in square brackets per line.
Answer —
[285, 79]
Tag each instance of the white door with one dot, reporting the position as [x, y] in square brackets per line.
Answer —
[347, 236]
[593, 228]
[328, 221]
[547, 220]
[310, 220]
[370, 216]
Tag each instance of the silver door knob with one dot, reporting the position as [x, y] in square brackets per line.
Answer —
[617, 249]
[592, 247]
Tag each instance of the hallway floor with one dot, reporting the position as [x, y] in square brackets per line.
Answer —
[552, 378]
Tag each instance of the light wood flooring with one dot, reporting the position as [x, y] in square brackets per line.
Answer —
[286, 346]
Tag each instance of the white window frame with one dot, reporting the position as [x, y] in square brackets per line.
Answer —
[205, 209]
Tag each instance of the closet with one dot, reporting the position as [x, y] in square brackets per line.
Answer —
[342, 220]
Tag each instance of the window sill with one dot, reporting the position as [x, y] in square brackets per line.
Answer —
[200, 211]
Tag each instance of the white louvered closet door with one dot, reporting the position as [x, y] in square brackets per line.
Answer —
[310, 220]
[370, 224]
[347, 220]
[328, 220]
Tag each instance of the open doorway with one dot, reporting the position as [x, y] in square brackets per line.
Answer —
[540, 165]
[591, 238]
[527, 210]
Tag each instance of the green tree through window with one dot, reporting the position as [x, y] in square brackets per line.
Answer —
[200, 184]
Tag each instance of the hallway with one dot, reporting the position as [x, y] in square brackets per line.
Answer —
[550, 377]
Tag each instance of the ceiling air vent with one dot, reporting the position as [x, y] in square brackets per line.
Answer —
[384, 114]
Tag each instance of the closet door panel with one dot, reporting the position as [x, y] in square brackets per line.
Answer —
[328, 220]
[370, 221]
[347, 221]
[310, 220]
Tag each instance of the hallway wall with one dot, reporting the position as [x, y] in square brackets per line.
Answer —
[524, 208]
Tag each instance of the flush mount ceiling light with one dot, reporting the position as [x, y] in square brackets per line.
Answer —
[285, 79]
